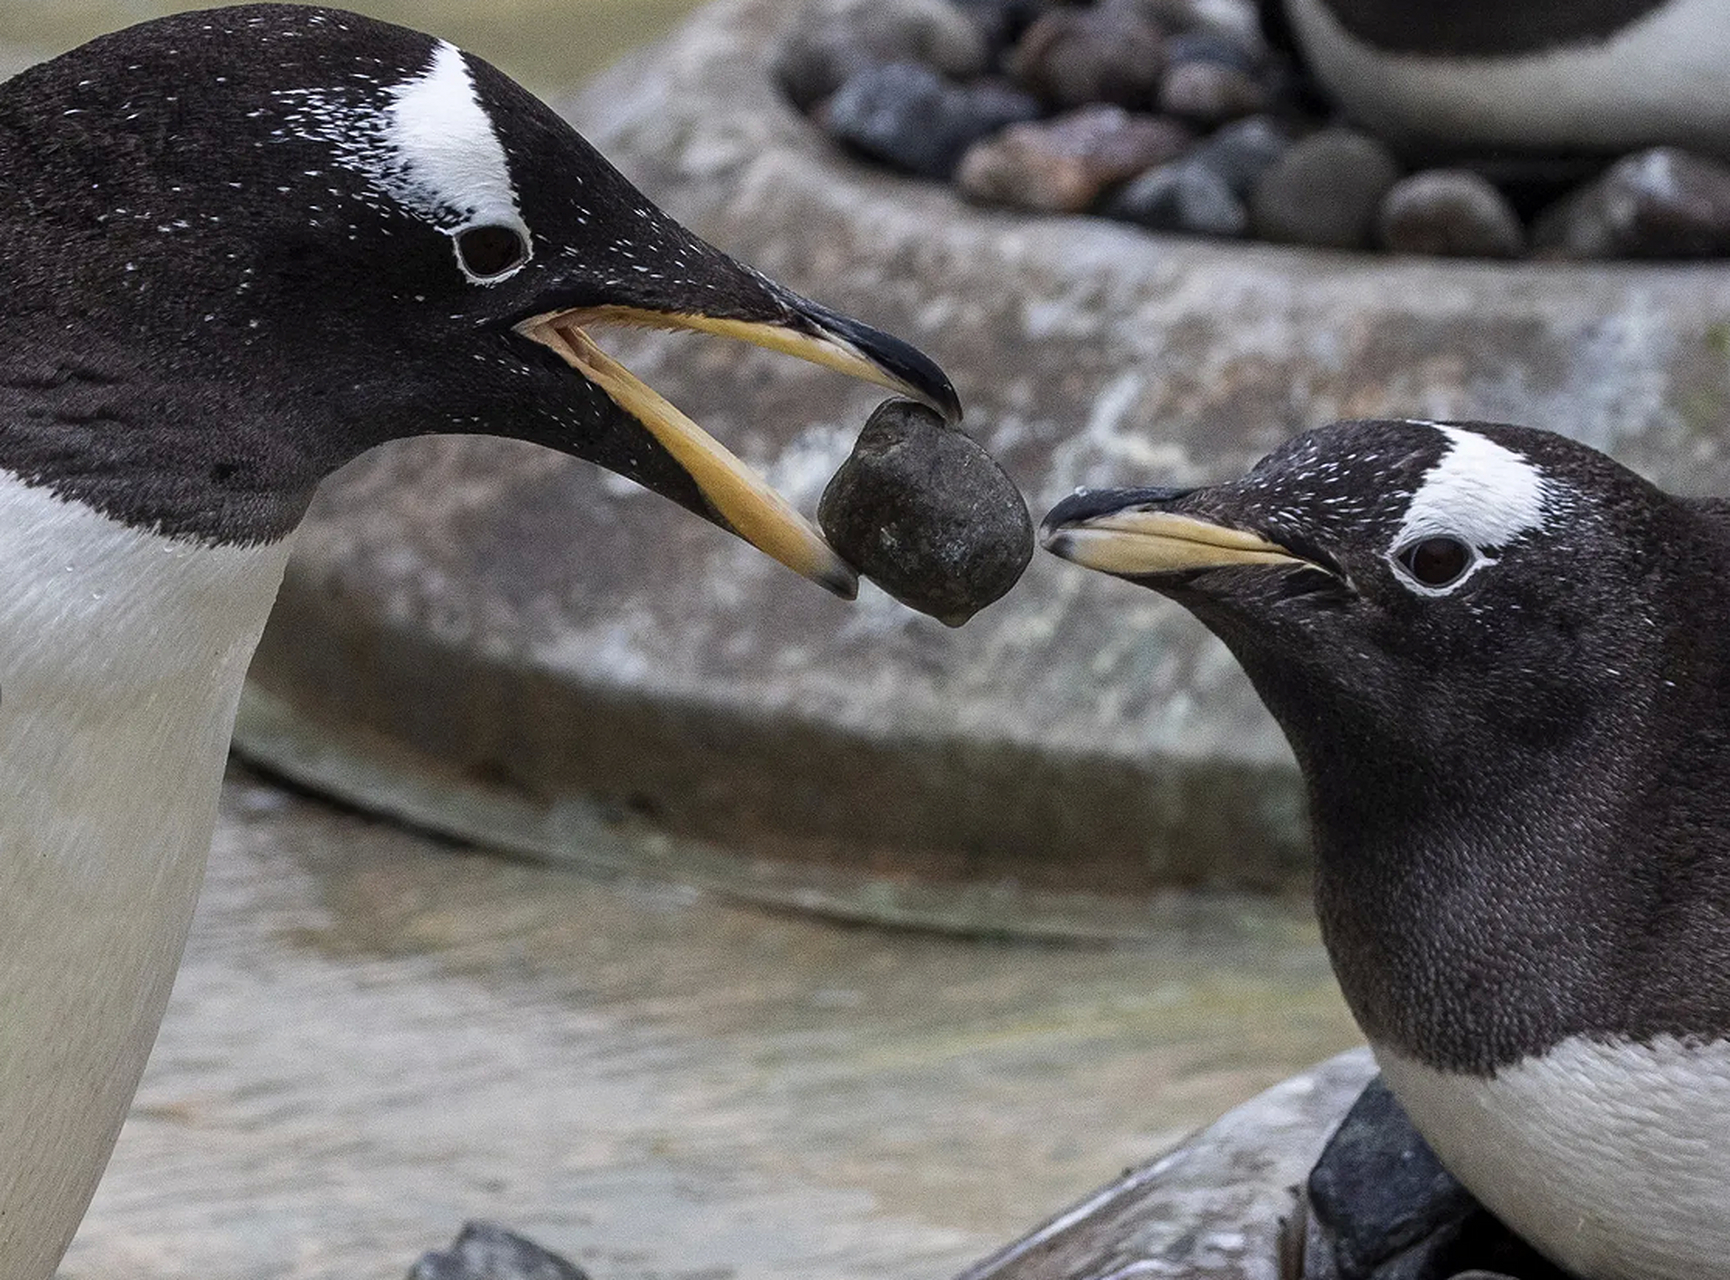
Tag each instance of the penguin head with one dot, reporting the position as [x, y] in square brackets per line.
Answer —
[1408, 596]
[296, 233]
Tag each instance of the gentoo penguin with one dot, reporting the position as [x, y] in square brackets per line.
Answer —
[1503, 662]
[238, 248]
[1569, 75]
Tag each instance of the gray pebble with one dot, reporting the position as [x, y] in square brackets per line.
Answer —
[1449, 213]
[1241, 152]
[1231, 19]
[1325, 191]
[1003, 21]
[1109, 52]
[1663, 203]
[1210, 93]
[927, 514]
[830, 40]
[1378, 1188]
[1184, 196]
[907, 115]
[487, 1252]
[1063, 165]
[1382, 1207]
[1212, 46]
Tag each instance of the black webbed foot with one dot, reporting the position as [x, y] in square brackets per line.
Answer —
[1382, 1207]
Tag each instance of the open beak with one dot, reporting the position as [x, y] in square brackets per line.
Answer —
[1126, 534]
[737, 497]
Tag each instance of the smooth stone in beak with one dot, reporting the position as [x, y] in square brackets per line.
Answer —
[928, 515]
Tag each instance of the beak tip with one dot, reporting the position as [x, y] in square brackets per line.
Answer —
[895, 363]
[1057, 541]
[839, 580]
[947, 401]
[1063, 517]
[924, 380]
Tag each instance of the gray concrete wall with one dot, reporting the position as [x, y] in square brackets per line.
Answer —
[518, 627]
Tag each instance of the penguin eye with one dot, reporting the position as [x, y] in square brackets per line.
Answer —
[489, 252]
[1437, 562]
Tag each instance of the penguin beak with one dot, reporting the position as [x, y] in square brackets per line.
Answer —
[1127, 533]
[736, 496]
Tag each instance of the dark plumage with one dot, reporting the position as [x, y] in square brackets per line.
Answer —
[1465, 28]
[1503, 663]
[238, 248]
[226, 275]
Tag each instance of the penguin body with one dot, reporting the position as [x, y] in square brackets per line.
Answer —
[1503, 665]
[122, 654]
[238, 248]
[1530, 75]
[1605, 1154]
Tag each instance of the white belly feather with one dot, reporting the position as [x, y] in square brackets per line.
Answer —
[121, 660]
[1612, 1158]
[1659, 80]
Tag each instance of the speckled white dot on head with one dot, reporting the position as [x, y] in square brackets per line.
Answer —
[1479, 491]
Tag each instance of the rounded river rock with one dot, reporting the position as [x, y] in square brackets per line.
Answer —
[927, 514]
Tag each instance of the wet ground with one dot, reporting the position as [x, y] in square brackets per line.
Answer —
[376, 1035]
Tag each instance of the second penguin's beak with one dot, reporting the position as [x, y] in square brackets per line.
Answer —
[1131, 533]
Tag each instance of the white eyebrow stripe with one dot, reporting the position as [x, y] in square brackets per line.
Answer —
[445, 155]
[1480, 492]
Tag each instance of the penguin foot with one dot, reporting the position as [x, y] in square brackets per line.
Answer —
[1383, 1208]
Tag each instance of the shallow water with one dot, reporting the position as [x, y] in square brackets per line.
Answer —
[547, 44]
[376, 1036]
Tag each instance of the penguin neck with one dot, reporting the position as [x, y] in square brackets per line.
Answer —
[122, 654]
[103, 623]
[1495, 877]
[1473, 923]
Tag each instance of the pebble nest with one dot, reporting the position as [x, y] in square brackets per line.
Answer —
[1178, 116]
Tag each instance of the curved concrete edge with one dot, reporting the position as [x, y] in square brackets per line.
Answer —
[946, 807]
[1225, 1205]
[579, 831]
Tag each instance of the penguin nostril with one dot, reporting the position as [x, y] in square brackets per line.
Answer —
[1436, 562]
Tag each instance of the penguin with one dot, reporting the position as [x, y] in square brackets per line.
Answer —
[237, 249]
[1503, 664]
[1528, 75]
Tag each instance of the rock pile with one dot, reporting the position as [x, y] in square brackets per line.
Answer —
[1177, 116]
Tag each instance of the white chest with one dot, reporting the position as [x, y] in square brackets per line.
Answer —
[1612, 1158]
[1659, 80]
[121, 660]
